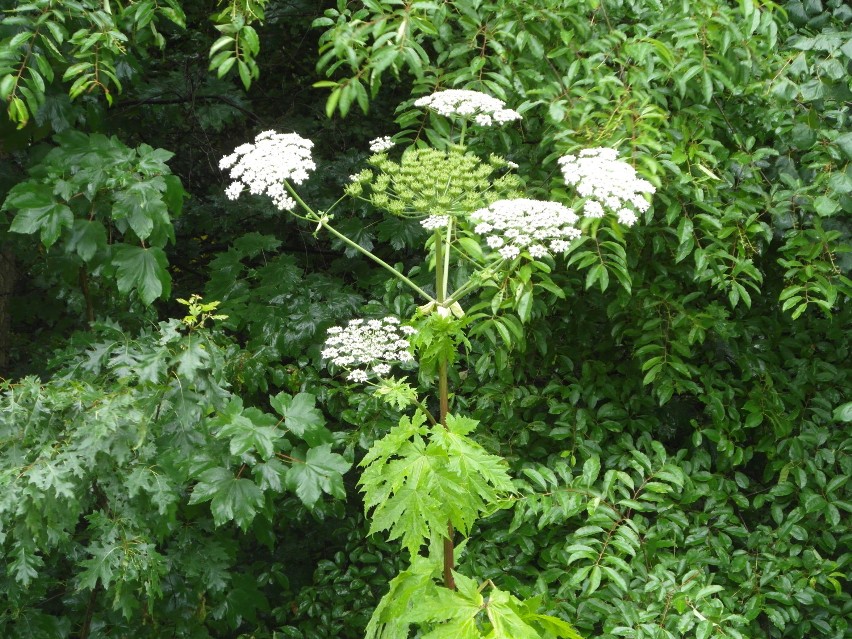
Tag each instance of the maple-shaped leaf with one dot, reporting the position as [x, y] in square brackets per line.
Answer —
[87, 237]
[152, 161]
[270, 474]
[450, 605]
[454, 611]
[415, 486]
[383, 449]
[553, 626]
[143, 269]
[398, 482]
[141, 205]
[230, 497]
[155, 483]
[412, 515]
[248, 429]
[191, 358]
[38, 211]
[548, 625]
[302, 417]
[461, 629]
[504, 612]
[484, 475]
[390, 618]
[320, 472]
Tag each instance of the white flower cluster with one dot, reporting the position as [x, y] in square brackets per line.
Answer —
[511, 226]
[608, 182]
[263, 166]
[372, 344]
[435, 222]
[485, 109]
[380, 145]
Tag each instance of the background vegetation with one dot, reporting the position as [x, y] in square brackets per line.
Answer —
[675, 411]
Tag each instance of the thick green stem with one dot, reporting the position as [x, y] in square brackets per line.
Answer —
[441, 278]
[321, 220]
[377, 260]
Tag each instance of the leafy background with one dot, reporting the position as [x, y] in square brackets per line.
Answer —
[675, 407]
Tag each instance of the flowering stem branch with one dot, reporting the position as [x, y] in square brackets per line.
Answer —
[472, 283]
[321, 219]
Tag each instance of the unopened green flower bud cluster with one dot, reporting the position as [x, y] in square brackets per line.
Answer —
[427, 182]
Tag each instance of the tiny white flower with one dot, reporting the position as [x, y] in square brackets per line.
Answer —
[523, 224]
[357, 376]
[593, 209]
[369, 346]
[264, 166]
[512, 165]
[510, 252]
[559, 246]
[234, 189]
[627, 217]
[382, 144]
[537, 250]
[613, 184]
[435, 222]
[485, 108]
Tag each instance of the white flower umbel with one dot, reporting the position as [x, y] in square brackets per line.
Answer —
[484, 109]
[263, 167]
[380, 145]
[608, 183]
[368, 347]
[535, 226]
[435, 222]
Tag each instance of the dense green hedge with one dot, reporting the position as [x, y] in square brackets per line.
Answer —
[674, 405]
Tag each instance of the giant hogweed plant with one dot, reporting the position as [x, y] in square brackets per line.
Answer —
[428, 481]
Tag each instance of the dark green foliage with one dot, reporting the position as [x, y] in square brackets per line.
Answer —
[672, 400]
[116, 442]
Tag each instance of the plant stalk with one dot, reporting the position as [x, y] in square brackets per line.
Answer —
[321, 220]
[441, 278]
[87, 296]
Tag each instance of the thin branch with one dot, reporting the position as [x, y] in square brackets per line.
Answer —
[180, 100]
